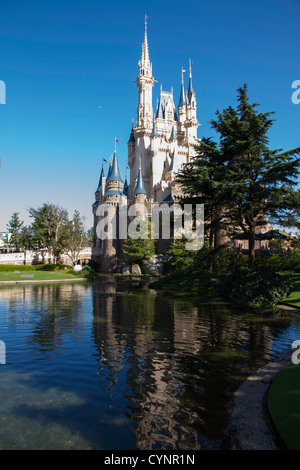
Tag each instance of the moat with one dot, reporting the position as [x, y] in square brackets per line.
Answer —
[116, 365]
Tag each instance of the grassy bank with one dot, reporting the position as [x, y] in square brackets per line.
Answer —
[294, 298]
[16, 273]
[284, 405]
[36, 276]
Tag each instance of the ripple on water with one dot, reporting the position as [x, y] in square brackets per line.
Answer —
[90, 369]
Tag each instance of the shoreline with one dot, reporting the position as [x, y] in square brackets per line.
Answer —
[250, 424]
[5, 283]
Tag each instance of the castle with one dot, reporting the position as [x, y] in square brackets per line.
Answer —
[159, 145]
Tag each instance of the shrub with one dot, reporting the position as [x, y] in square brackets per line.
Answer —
[219, 260]
[89, 273]
[53, 267]
[285, 261]
[259, 287]
[224, 259]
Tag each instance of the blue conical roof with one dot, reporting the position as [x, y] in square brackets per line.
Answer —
[114, 174]
[160, 111]
[100, 181]
[154, 132]
[190, 88]
[131, 137]
[182, 98]
[125, 188]
[172, 136]
[140, 189]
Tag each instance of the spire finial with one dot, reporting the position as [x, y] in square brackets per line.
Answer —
[190, 89]
[145, 51]
[182, 99]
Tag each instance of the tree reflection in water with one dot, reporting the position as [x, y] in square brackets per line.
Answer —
[124, 366]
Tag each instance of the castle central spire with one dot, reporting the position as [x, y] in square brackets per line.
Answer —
[145, 49]
[145, 82]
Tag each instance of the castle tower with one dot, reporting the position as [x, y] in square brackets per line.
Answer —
[112, 197]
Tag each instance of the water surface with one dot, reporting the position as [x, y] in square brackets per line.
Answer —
[116, 365]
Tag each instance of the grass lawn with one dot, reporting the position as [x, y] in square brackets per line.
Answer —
[284, 405]
[294, 297]
[35, 276]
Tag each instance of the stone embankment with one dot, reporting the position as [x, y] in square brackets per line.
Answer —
[250, 424]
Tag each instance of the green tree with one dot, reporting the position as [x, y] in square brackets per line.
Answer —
[27, 237]
[203, 180]
[295, 243]
[75, 237]
[15, 227]
[181, 259]
[257, 183]
[90, 235]
[142, 248]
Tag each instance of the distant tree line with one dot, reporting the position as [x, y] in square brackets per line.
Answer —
[51, 228]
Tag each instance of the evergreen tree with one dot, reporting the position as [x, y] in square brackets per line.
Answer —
[203, 183]
[139, 249]
[14, 227]
[247, 182]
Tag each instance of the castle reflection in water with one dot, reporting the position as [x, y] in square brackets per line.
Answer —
[169, 362]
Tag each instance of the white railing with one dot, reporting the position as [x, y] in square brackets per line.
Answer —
[37, 257]
[12, 258]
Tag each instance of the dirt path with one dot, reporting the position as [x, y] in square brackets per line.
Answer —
[250, 425]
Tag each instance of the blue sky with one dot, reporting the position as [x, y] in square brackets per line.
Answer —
[61, 60]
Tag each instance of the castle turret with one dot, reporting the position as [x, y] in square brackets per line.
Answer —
[191, 124]
[114, 182]
[101, 186]
[191, 103]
